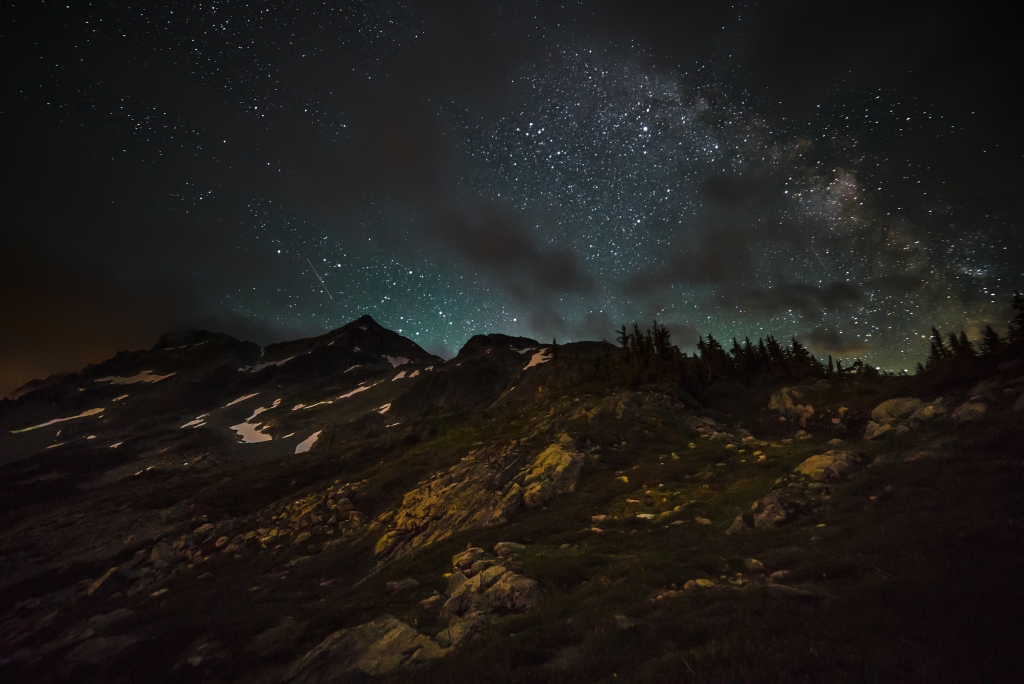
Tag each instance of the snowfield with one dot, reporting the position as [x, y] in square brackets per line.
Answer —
[144, 376]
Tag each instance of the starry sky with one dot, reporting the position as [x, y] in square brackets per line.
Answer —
[846, 175]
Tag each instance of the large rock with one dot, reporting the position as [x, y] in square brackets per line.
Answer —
[902, 414]
[380, 647]
[894, 410]
[770, 511]
[968, 411]
[513, 591]
[826, 467]
[785, 402]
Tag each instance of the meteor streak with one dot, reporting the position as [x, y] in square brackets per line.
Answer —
[319, 278]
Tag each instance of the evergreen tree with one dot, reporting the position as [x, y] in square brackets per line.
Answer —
[991, 344]
[1015, 331]
[938, 354]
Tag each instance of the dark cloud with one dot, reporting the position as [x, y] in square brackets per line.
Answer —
[809, 300]
[717, 257]
[684, 335]
[595, 326]
[493, 241]
[826, 340]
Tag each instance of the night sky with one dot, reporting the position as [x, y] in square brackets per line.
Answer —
[848, 175]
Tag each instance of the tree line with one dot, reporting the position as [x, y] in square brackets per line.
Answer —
[649, 356]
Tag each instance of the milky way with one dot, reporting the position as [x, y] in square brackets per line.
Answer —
[511, 168]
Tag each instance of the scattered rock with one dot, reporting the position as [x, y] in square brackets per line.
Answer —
[699, 584]
[753, 565]
[738, 525]
[701, 521]
[432, 604]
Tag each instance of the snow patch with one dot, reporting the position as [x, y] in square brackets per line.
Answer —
[123, 396]
[144, 376]
[262, 409]
[83, 414]
[307, 444]
[384, 409]
[116, 444]
[298, 407]
[538, 358]
[266, 364]
[523, 351]
[414, 374]
[199, 421]
[396, 361]
[250, 433]
[399, 376]
[361, 388]
[240, 399]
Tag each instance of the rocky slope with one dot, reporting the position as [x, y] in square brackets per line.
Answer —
[349, 507]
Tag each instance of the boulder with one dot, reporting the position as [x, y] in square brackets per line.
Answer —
[894, 410]
[968, 411]
[737, 525]
[379, 647]
[513, 591]
[785, 402]
[770, 512]
[455, 581]
[464, 561]
[826, 467]
[507, 549]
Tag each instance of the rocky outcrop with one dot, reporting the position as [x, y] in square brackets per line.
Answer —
[553, 473]
[785, 403]
[803, 491]
[485, 488]
[481, 585]
[827, 467]
[379, 647]
[902, 414]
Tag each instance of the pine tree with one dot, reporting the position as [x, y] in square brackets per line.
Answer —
[1015, 331]
[964, 350]
[991, 344]
[938, 354]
